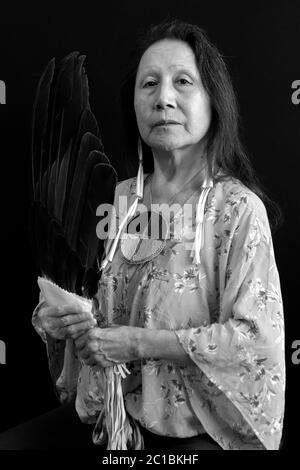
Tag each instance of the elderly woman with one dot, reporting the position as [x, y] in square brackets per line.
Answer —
[197, 314]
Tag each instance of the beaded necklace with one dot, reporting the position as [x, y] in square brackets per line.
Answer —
[140, 246]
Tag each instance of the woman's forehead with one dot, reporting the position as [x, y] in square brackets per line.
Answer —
[167, 53]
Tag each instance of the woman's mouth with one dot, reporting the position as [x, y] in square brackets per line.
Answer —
[166, 123]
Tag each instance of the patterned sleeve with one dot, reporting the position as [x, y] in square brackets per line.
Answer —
[243, 354]
[55, 351]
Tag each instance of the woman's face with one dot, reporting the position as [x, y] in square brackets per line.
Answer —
[172, 107]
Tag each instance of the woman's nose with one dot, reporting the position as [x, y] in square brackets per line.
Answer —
[165, 98]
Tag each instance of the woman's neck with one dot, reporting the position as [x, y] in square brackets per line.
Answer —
[174, 171]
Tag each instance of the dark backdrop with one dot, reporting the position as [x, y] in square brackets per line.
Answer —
[260, 42]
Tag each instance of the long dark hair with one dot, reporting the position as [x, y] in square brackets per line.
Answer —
[224, 147]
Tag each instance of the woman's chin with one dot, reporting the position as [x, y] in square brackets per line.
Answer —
[165, 145]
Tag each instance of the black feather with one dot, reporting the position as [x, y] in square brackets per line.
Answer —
[39, 126]
[71, 177]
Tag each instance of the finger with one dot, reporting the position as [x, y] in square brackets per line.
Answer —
[84, 338]
[46, 312]
[72, 308]
[77, 335]
[54, 324]
[74, 318]
[93, 334]
[54, 312]
[66, 309]
[76, 328]
[81, 340]
[80, 333]
[51, 323]
[91, 347]
[56, 334]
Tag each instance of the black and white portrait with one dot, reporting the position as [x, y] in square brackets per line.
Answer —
[150, 221]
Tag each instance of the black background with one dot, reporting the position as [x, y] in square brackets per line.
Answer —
[260, 42]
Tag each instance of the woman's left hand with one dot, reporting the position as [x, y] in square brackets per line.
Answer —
[108, 346]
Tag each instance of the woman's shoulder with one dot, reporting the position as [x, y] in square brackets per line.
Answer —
[230, 196]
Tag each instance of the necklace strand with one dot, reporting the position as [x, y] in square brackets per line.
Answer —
[145, 249]
[176, 194]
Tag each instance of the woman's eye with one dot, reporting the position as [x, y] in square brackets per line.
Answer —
[150, 83]
[184, 81]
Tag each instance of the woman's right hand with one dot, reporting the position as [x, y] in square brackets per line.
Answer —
[69, 321]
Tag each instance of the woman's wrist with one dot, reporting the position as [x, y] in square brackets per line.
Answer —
[160, 344]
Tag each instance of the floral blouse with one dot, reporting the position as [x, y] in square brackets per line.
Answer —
[227, 314]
